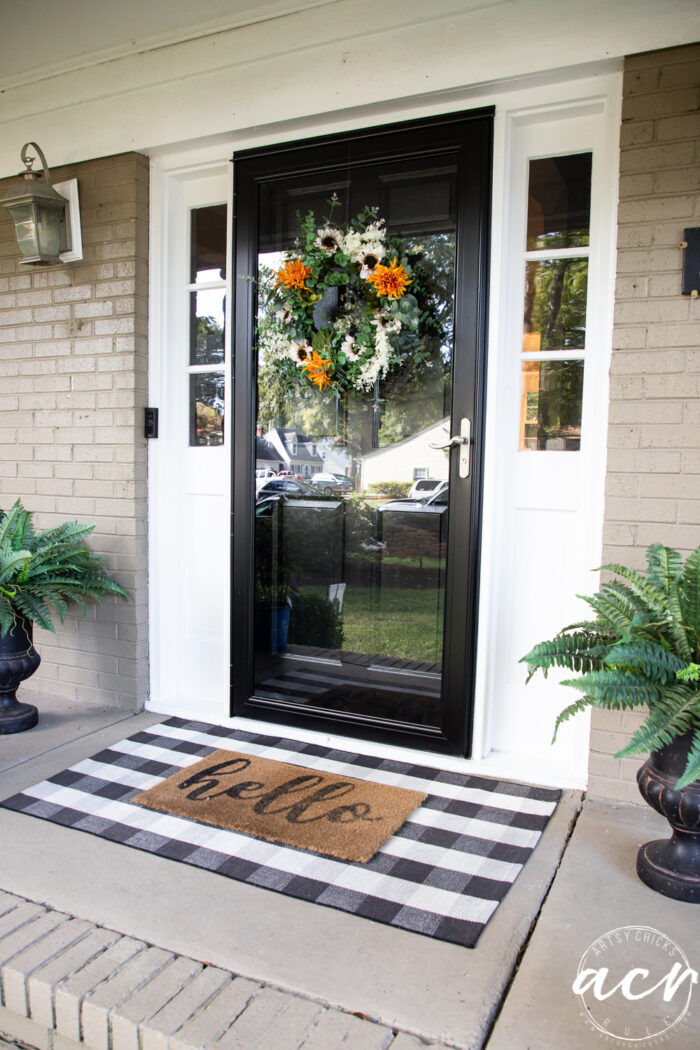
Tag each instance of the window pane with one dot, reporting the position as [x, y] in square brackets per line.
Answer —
[208, 244]
[559, 202]
[550, 405]
[555, 305]
[207, 327]
[207, 409]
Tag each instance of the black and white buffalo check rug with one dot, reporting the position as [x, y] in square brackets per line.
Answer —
[442, 874]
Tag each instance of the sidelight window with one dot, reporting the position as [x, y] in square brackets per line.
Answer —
[207, 311]
[556, 293]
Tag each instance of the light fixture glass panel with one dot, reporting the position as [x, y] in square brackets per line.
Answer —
[24, 218]
[49, 231]
[555, 305]
[551, 399]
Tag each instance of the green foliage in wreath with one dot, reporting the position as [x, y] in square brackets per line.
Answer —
[348, 305]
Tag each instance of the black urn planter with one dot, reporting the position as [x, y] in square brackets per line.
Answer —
[672, 866]
[18, 660]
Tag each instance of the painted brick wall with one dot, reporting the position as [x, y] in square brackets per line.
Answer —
[73, 382]
[653, 474]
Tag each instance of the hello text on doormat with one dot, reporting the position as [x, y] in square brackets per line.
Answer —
[308, 808]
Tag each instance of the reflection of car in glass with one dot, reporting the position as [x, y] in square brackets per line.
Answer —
[290, 474]
[426, 487]
[265, 472]
[332, 482]
[281, 486]
[436, 503]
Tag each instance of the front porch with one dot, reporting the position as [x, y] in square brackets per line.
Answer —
[304, 975]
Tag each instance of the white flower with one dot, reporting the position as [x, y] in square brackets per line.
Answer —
[349, 348]
[299, 352]
[385, 323]
[284, 315]
[368, 256]
[274, 345]
[375, 231]
[352, 242]
[328, 240]
[378, 364]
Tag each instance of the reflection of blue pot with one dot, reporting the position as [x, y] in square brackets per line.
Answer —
[326, 309]
[271, 629]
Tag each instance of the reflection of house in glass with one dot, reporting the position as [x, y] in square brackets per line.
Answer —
[296, 451]
[410, 459]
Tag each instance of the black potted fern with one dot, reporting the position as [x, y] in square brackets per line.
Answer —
[40, 573]
[642, 649]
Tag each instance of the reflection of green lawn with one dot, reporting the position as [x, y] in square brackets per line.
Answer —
[402, 622]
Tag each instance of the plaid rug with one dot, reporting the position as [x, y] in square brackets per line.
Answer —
[442, 874]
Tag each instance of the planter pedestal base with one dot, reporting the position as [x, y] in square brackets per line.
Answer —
[672, 866]
[18, 660]
[16, 717]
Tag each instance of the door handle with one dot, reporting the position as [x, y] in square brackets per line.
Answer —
[462, 441]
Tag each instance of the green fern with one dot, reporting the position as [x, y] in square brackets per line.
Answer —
[641, 650]
[41, 572]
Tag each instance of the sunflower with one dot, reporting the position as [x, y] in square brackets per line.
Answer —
[390, 281]
[293, 274]
[350, 348]
[368, 257]
[328, 240]
[300, 352]
[317, 369]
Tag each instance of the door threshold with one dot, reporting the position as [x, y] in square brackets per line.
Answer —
[326, 661]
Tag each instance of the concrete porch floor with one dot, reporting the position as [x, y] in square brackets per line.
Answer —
[321, 968]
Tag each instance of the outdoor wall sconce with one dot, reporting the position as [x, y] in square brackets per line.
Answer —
[46, 221]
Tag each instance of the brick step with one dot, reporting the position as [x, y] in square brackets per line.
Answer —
[66, 983]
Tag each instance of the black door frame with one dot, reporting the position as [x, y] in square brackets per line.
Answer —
[469, 137]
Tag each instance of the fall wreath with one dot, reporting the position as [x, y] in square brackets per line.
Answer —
[348, 304]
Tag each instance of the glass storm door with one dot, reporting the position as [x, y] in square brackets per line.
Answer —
[360, 304]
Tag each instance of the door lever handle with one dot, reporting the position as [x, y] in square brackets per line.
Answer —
[456, 440]
[461, 441]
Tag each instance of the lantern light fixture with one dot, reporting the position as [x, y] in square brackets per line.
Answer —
[44, 222]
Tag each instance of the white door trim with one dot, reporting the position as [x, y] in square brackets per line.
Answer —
[178, 179]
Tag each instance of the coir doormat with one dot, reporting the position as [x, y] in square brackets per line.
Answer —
[443, 873]
[314, 810]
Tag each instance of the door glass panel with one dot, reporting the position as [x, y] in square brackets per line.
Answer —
[350, 556]
[207, 318]
[208, 244]
[559, 202]
[207, 408]
[550, 405]
[555, 305]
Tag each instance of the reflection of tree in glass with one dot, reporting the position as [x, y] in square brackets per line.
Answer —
[409, 541]
[413, 399]
[208, 406]
[555, 303]
[559, 403]
[209, 341]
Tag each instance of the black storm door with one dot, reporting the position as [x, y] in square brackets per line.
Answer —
[359, 373]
